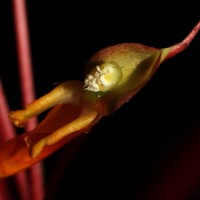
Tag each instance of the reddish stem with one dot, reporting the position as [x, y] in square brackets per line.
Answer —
[176, 49]
[27, 84]
[36, 175]
[4, 192]
[6, 132]
[24, 55]
[6, 128]
[23, 186]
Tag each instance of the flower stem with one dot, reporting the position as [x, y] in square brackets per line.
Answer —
[23, 51]
[6, 132]
[36, 175]
[183, 45]
[6, 128]
[27, 85]
[4, 193]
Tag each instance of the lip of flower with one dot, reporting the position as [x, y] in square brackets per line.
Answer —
[19, 153]
[113, 76]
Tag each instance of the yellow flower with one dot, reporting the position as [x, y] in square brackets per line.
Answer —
[112, 76]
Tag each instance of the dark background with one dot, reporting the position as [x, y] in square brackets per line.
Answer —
[124, 152]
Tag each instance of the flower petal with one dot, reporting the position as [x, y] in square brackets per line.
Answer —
[135, 63]
[14, 154]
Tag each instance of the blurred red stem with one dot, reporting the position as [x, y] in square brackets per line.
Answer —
[6, 128]
[22, 184]
[6, 132]
[36, 175]
[24, 55]
[27, 84]
[4, 192]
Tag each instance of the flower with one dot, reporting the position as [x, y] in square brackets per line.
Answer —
[112, 76]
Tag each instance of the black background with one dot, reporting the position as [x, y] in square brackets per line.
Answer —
[124, 152]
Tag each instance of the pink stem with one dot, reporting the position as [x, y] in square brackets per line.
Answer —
[24, 55]
[27, 85]
[183, 45]
[36, 175]
[6, 132]
[6, 128]
[23, 186]
[4, 193]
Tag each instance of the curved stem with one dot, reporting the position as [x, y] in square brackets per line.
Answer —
[176, 49]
